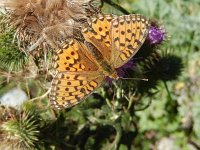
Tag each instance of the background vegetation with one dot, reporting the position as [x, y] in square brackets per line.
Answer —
[162, 113]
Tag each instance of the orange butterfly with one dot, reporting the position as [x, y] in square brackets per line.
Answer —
[110, 42]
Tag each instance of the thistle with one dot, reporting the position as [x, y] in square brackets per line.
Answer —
[46, 24]
[20, 129]
[11, 58]
[156, 34]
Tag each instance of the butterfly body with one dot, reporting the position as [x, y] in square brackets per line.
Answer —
[107, 68]
[81, 67]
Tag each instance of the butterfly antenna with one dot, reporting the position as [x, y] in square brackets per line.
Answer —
[134, 79]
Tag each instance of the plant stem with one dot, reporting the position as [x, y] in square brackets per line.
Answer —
[118, 136]
[118, 7]
[167, 89]
[145, 107]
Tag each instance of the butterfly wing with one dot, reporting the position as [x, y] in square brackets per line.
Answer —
[70, 88]
[117, 38]
[99, 33]
[73, 57]
[128, 33]
[76, 75]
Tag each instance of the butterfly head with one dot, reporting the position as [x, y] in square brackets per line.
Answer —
[111, 77]
[114, 76]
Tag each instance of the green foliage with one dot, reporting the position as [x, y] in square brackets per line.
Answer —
[10, 57]
[180, 19]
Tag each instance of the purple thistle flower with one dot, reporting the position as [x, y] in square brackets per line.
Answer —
[156, 35]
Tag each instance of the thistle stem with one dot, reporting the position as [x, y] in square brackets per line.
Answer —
[118, 136]
[118, 7]
[167, 89]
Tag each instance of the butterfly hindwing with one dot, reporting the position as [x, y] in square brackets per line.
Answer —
[70, 88]
[128, 33]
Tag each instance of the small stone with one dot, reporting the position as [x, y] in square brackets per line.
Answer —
[14, 97]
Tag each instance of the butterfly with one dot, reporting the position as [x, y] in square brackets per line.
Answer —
[81, 67]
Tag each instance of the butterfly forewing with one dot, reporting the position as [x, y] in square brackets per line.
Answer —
[99, 34]
[127, 35]
[73, 57]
